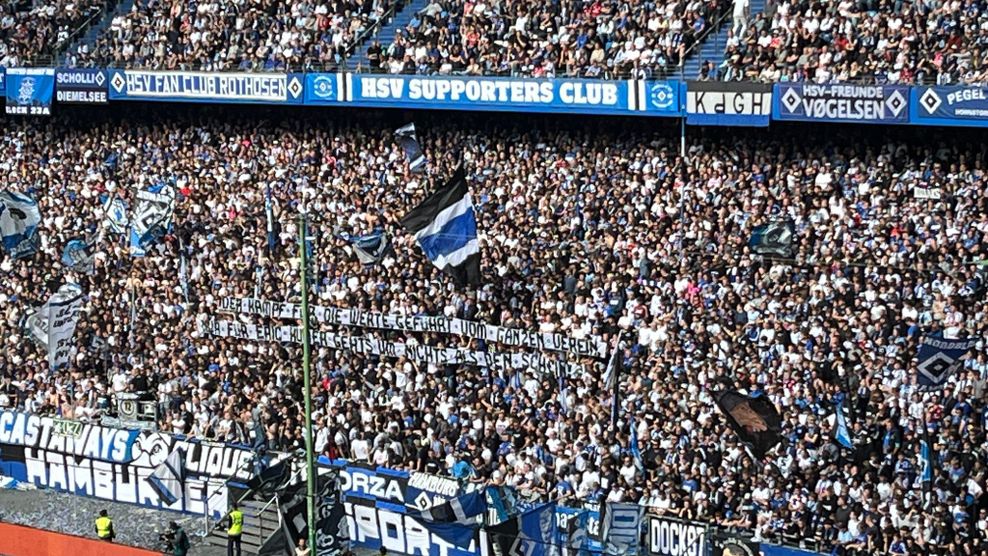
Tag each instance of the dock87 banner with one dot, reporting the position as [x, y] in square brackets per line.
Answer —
[29, 90]
[957, 106]
[196, 86]
[114, 464]
[728, 104]
[584, 96]
[841, 103]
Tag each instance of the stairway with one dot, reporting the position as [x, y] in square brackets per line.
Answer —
[386, 34]
[89, 38]
[712, 48]
[261, 520]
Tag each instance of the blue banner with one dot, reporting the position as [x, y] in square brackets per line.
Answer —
[3, 81]
[841, 103]
[29, 90]
[192, 86]
[728, 104]
[582, 96]
[953, 106]
[80, 86]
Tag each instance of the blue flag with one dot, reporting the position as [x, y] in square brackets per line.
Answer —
[78, 256]
[636, 451]
[925, 462]
[532, 533]
[940, 358]
[841, 433]
[371, 248]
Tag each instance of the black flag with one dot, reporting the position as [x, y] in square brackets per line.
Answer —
[755, 420]
[410, 144]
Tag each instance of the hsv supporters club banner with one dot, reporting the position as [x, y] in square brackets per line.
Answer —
[882, 104]
[584, 96]
[29, 91]
[115, 464]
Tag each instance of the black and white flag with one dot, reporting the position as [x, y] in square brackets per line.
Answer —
[168, 479]
[446, 228]
[410, 144]
[52, 325]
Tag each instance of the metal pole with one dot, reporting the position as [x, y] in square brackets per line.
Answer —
[310, 475]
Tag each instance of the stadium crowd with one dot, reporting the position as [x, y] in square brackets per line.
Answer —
[577, 39]
[584, 230]
[256, 35]
[32, 30]
[873, 41]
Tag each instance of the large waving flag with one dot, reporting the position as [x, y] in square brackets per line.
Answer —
[454, 521]
[168, 479]
[19, 220]
[755, 420]
[532, 533]
[446, 227]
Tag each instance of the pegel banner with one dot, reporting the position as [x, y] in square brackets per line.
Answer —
[29, 90]
[955, 106]
[80, 86]
[194, 86]
[494, 94]
[3, 82]
[728, 104]
[841, 103]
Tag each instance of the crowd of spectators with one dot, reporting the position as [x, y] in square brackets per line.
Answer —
[30, 31]
[584, 230]
[872, 41]
[247, 35]
[599, 38]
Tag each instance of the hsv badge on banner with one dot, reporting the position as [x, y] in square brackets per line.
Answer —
[29, 91]
[939, 358]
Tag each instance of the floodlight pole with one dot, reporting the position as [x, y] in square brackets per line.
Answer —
[310, 467]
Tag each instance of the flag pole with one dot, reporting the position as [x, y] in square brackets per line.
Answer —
[310, 478]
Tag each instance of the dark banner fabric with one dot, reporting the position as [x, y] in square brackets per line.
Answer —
[728, 104]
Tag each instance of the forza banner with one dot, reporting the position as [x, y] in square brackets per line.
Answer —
[841, 103]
